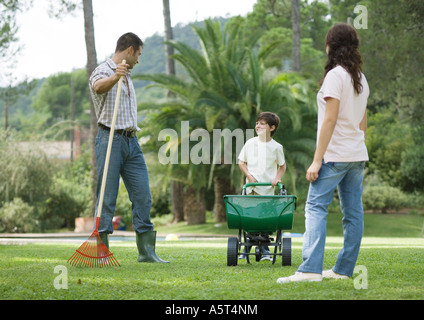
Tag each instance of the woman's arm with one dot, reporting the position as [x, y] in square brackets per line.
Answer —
[363, 124]
[327, 129]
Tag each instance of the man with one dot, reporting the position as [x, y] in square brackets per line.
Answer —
[126, 159]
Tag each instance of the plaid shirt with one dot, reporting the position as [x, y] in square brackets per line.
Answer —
[105, 103]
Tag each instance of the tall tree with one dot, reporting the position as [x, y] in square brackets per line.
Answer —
[91, 65]
[295, 18]
[177, 187]
[169, 50]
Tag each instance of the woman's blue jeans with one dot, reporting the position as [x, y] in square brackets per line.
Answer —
[126, 161]
[347, 177]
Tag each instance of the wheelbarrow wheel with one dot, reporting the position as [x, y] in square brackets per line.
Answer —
[286, 252]
[232, 253]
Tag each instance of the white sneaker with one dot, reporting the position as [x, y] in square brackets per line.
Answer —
[330, 274]
[301, 276]
[266, 257]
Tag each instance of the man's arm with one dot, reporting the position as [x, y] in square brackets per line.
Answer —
[106, 84]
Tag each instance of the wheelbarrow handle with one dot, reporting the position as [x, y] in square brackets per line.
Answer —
[264, 184]
[254, 184]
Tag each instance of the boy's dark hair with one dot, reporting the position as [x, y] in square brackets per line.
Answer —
[128, 40]
[271, 119]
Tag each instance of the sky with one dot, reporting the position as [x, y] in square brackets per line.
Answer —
[50, 45]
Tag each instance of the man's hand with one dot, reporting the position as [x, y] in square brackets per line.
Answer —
[104, 85]
[121, 70]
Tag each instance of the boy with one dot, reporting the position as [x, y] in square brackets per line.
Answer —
[262, 160]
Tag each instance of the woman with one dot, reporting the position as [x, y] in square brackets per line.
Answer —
[339, 158]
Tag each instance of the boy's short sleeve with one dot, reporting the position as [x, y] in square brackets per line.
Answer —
[242, 155]
[281, 160]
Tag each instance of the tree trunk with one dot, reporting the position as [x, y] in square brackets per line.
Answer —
[194, 206]
[6, 121]
[177, 201]
[169, 51]
[177, 191]
[296, 35]
[91, 65]
[222, 187]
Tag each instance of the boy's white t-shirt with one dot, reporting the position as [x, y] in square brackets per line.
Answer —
[347, 143]
[262, 160]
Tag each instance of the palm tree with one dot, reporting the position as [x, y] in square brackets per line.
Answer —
[224, 88]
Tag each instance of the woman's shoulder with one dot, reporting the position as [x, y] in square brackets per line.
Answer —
[338, 70]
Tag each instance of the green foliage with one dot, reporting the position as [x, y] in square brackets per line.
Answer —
[228, 71]
[383, 198]
[68, 199]
[274, 19]
[26, 172]
[18, 216]
[391, 40]
[226, 89]
[54, 98]
[56, 194]
[412, 167]
[395, 151]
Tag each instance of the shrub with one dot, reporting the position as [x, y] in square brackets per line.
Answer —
[68, 199]
[18, 216]
[383, 198]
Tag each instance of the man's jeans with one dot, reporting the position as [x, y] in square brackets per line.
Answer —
[127, 161]
[347, 177]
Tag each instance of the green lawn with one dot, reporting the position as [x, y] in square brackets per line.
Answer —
[391, 261]
[376, 225]
[393, 268]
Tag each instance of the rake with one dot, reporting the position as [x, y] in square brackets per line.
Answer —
[93, 252]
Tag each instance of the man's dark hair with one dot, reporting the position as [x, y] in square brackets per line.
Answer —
[129, 40]
[271, 119]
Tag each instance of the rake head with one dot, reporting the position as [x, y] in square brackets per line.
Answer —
[93, 254]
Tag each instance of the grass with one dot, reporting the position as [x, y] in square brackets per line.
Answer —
[198, 271]
[376, 225]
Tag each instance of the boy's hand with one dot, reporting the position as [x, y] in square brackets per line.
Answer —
[251, 178]
[275, 181]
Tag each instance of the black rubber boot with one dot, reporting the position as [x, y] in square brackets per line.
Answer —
[105, 239]
[146, 243]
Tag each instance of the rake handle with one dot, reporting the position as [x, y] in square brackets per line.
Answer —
[109, 148]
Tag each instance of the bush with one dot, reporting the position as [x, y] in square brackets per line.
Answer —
[383, 198]
[68, 199]
[412, 168]
[18, 216]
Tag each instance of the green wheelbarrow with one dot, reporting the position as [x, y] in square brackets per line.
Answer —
[257, 218]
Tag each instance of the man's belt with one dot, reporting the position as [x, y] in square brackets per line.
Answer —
[125, 133]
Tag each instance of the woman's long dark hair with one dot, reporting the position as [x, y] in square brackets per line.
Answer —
[343, 43]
